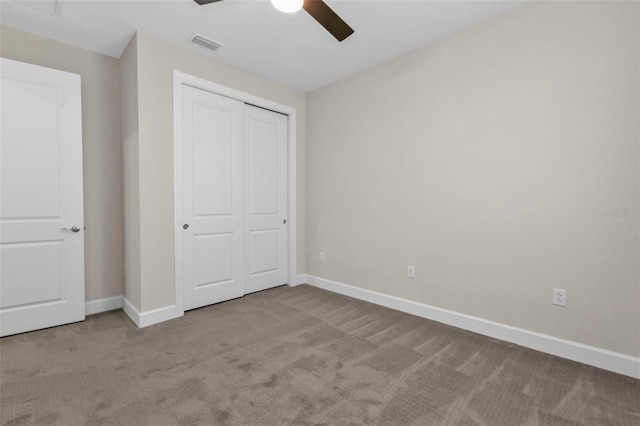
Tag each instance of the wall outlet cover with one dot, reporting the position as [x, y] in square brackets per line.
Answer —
[411, 271]
[559, 297]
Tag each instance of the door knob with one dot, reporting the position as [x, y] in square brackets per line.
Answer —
[284, 221]
[185, 226]
[72, 229]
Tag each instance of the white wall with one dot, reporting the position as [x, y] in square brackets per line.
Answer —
[131, 170]
[102, 162]
[489, 160]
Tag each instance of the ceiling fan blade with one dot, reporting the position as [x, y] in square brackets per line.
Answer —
[326, 17]
[203, 2]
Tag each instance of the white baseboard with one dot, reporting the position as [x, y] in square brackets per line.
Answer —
[131, 311]
[145, 319]
[300, 279]
[102, 305]
[590, 355]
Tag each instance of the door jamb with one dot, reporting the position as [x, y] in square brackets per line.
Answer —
[180, 79]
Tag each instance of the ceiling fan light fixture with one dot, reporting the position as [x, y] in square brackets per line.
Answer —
[287, 6]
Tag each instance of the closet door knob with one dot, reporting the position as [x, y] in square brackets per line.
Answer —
[185, 226]
[72, 229]
[284, 221]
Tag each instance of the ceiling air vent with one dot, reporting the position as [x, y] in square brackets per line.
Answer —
[205, 42]
[49, 6]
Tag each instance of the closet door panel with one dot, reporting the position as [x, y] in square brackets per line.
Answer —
[266, 196]
[212, 198]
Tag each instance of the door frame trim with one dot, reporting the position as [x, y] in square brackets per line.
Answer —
[180, 79]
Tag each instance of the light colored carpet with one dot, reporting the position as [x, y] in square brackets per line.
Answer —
[299, 356]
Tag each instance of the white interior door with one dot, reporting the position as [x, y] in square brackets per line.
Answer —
[41, 212]
[266, 195]
[212, 198]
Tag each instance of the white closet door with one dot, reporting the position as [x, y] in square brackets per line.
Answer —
[212, 198]
[41, 212]
[266, 195]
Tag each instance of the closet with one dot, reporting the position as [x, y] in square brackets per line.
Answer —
[232, 198]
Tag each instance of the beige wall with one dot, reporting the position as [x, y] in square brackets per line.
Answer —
[101, 150]
[131, 171]
[156, 62]
[488, 160]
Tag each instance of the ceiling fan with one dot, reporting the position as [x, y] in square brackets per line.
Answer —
[318, 9]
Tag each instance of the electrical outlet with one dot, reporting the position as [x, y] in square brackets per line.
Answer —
[322, 256]
[559, 297]
[411, 271]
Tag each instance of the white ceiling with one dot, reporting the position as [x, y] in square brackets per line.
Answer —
[293, 50]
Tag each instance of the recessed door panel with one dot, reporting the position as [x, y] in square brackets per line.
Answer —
[30, 169]
[264, 165]
[31, 285]
[265, 251]
[213, 259]
[212, 160]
